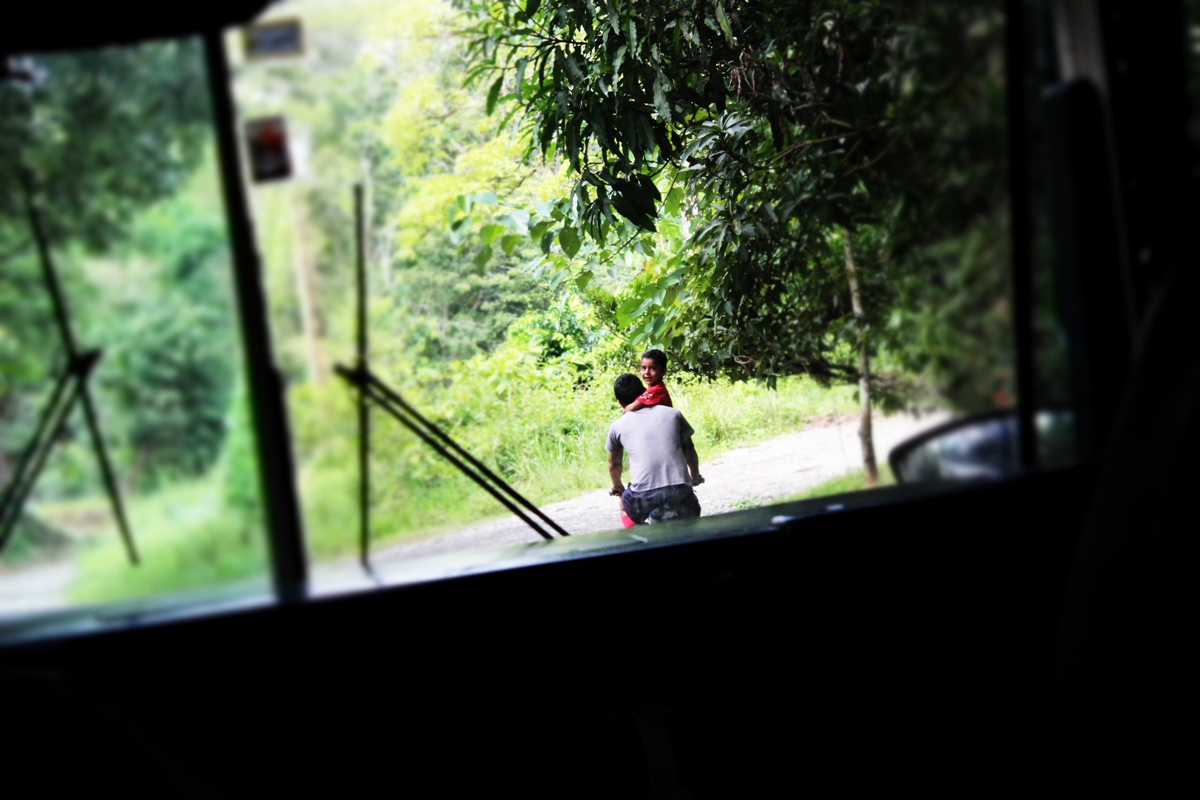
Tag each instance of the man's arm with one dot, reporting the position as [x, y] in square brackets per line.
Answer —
[693, 461]
[634, 406]
[614, 470]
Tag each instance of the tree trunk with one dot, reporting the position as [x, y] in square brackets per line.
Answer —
[306, 288]
[864, 369]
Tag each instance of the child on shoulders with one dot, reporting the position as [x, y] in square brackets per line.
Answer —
[654, 366]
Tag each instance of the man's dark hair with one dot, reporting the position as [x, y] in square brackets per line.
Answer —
[627, 387]
[659, 357]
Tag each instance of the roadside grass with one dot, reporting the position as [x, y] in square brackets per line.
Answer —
[850, 482]
[549, 447]
[731, 415]
[34, 540]
[547, 442]
[185, 538]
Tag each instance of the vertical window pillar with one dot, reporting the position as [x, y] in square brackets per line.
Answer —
[285, 538]
[1020, 229]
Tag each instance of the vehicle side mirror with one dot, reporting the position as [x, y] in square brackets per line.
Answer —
[982, 446]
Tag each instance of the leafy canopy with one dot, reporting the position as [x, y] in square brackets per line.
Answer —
[103, 135]
[737, 145]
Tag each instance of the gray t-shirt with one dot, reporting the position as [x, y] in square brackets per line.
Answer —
[654, 438]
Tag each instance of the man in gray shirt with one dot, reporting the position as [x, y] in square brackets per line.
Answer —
[663, 465]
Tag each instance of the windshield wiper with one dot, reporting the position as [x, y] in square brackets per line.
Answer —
[390, 401]
[370, 387]
[71, 387]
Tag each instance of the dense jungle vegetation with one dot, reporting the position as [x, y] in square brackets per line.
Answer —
[801, 202]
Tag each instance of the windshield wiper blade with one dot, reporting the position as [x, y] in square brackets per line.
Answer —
[72, 387]
[395, 405]
[370, 387]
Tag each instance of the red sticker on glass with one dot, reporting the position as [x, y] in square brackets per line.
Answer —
[266, 140]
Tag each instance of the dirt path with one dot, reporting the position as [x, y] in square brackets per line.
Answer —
[742, 478]
[39, 588]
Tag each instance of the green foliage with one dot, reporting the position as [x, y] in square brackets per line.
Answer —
[740, 144]
[171, 364]
[963, 348]
[101, 135]
[186, 542]
[196, 534]
[379, 100]
[34, 540]
[23, 357]
[240, 477]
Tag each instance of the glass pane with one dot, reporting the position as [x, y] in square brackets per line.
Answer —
[115, 149]
[518, 262]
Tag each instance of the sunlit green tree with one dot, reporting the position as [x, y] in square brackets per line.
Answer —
[99, 135]
[760, 139]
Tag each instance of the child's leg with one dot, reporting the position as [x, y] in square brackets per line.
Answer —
[626, 520]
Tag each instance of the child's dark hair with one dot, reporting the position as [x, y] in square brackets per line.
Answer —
[659, 358]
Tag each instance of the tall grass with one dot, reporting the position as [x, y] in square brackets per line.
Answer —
[187, 539]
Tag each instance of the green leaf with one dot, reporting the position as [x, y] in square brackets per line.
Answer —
[646, 305]
[674, 201]
[521, 217]
[573, 69]
[510, 243]
[618, 59]
[558, 278]
[661, 87]
[723, 21]
[508, 118]
[626, 309]
[511, 223]
[569, 239]
[660, 325]
[633, 204]
[482, 258]
[539, 230]
[490, 233]
[647, 185]
[522, 65]
[583, 279]
[494, 94]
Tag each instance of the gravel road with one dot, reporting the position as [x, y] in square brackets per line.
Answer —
[39, 588]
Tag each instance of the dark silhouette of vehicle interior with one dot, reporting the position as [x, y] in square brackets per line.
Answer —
[1006, 617]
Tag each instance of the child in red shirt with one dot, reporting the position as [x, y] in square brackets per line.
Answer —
[654, 366]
